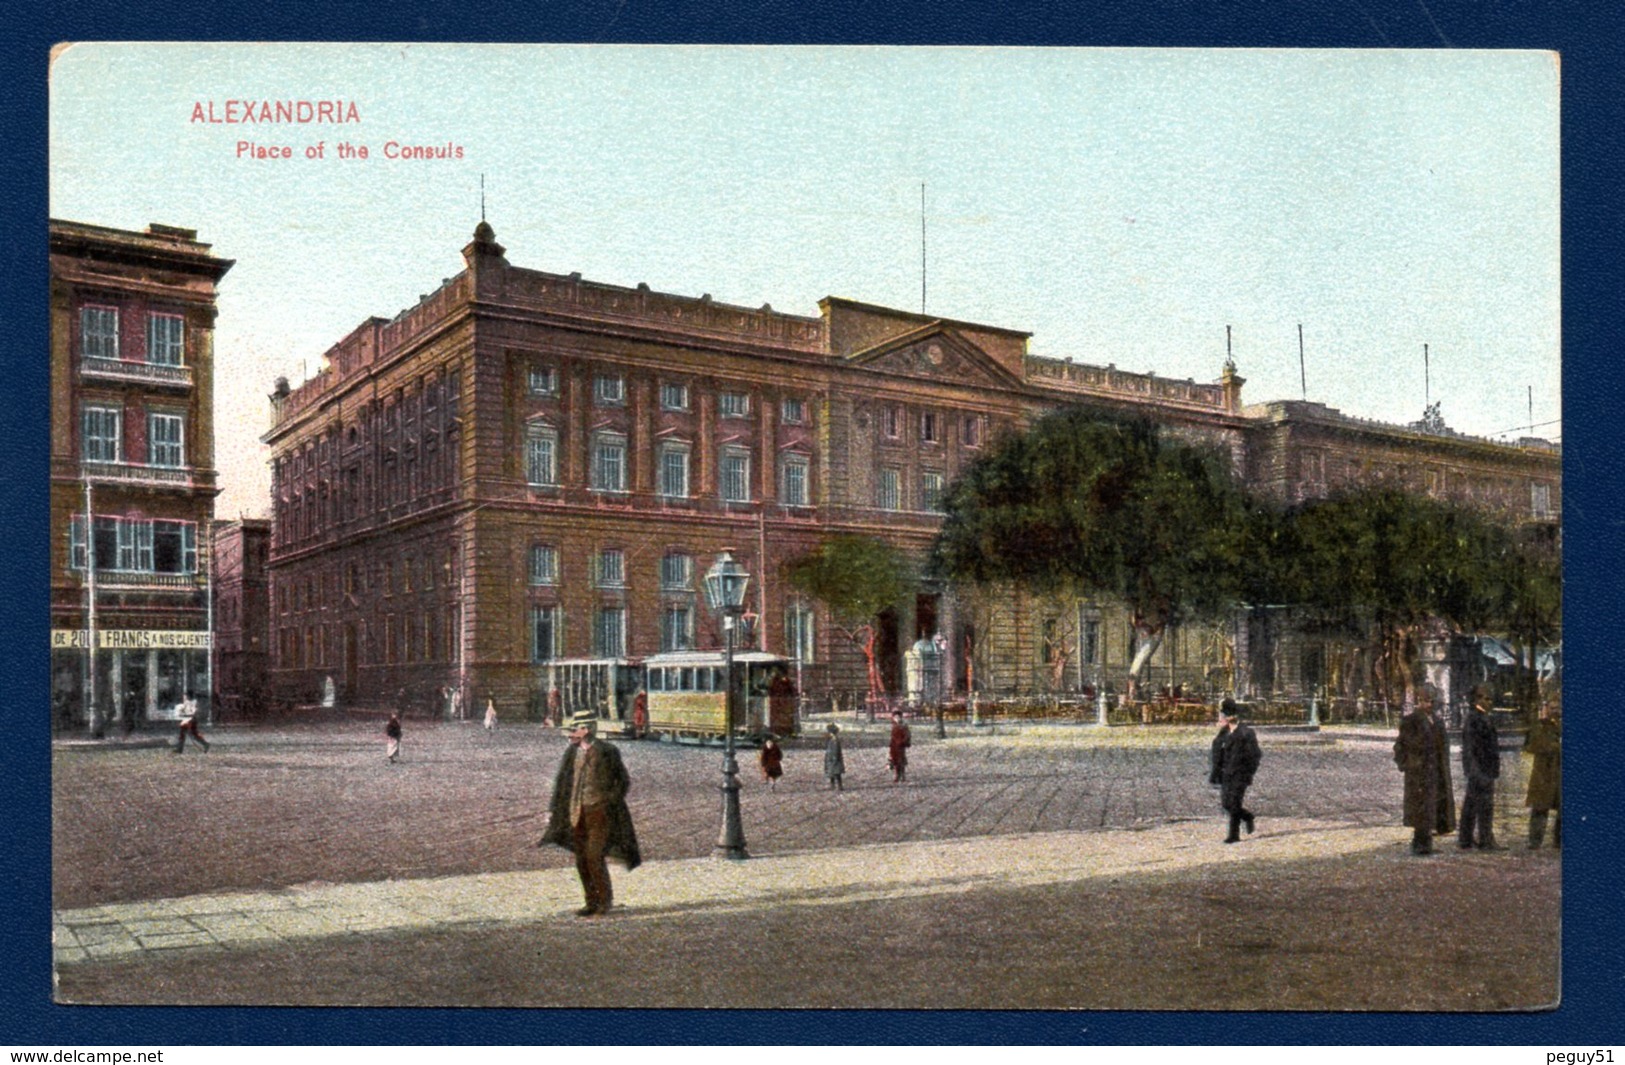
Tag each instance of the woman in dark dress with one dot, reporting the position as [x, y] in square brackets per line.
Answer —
[772, 761]
[897, 753]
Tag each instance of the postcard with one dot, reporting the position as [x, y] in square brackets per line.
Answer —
[805, 528]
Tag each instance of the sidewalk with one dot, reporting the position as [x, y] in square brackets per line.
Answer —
[662, 890]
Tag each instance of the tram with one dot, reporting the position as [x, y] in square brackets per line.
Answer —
[605, 686]
[687, 694]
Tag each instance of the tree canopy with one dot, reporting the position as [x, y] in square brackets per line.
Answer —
[855, 577]
[1376, 555]
[1086, 503]
[1396, 558]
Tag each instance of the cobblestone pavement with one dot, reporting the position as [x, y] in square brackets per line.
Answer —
[255, 871]
[268, 808]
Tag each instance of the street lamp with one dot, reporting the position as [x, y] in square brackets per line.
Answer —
[725, 593]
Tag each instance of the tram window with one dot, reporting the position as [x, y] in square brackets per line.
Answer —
[686, 680]
[717, 683]
[702, 679]
[655, 677]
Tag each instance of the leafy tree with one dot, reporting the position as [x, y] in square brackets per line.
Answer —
[1532, 585]
[855, 577]
[1082, 502]
[1384, 557]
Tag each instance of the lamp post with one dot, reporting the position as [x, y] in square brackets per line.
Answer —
[725, 585]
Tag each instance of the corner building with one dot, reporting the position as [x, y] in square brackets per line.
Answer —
[526, 466]
[133, 479]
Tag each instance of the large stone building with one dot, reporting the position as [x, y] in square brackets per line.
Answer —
[242, 614]
[132, 443]
[526, 466]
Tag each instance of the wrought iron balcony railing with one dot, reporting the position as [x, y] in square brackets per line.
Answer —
[130, 473]
[144, 372]
[138, 580]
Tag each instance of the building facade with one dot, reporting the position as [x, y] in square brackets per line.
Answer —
[525, 467]
[133, 479]
[242, 614]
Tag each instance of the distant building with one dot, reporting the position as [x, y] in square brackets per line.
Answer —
[132, 446]
[1301, 450]
[528, 466]
[242, 615]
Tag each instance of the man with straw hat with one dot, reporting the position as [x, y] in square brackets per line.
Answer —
[588, 813]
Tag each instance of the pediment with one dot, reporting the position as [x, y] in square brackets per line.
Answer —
[936, 352]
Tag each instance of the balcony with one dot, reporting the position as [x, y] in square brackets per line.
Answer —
[137, 580]
[138, 476]
[146, 373]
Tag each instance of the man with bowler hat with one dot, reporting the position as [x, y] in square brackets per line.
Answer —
[1236, 758]
[1422, 753]
[1481, 766]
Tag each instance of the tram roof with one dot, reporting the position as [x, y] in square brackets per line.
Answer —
[709, 658]
[589, 662]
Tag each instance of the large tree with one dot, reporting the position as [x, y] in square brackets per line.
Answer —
[1083, 503]
[855, 577]
[1531, 585]
[1379, 556]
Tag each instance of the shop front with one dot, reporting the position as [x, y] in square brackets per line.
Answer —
[141, 675]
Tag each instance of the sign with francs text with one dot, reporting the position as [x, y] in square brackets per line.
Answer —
[133, 639]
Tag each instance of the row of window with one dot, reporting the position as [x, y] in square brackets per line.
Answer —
[889, 493]
[609, 568]
[357, 577]
[102, 436]
[609, 468]
[1312, 470]
[99, 336]
[608, 472]
[134, 545]
[609, 628]
[932, 426]
[427, 637]
[609, 390]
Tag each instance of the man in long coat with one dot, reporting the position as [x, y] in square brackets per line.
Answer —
[834, 759]
[1545, 796]
[588, 813]
[1481, 767]
[1422, 753]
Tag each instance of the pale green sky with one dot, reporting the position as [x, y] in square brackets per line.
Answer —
[1122, 205]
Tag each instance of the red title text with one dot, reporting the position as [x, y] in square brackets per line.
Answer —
[291, 112]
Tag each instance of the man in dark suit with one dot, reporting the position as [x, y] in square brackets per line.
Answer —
[1235, 759]
[1481, 766]
[588, 813]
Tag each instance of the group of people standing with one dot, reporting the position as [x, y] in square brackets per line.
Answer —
[1422, 753]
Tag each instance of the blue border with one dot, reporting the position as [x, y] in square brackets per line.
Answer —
[1589, 39]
